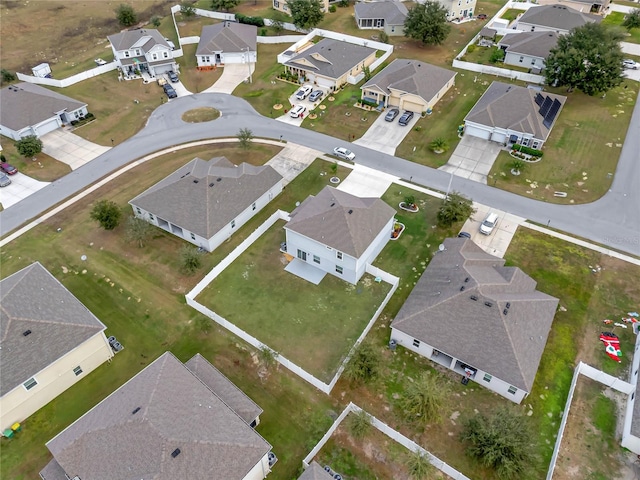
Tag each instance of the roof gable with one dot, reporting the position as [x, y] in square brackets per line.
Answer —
[393, 12]
[315, 472]
[229, 37]
[331, 58]
[143, 38]
[537, 44]
[556, 16]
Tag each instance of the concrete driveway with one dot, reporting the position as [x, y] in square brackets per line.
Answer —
[69, 148]
[499, 240]
[473, 158]
[292, 160]
[21, 187]
[365, 182]
[233, 74]
[385, 136]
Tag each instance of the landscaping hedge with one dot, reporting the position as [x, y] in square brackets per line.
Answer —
[246, 19]
[527, 150]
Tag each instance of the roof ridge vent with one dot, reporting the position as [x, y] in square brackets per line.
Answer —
[135, 410]
[175, 453]
[350, 212]
[488, 304]
[474, 298]
[195, 180]
[211, 184]
[26, 333]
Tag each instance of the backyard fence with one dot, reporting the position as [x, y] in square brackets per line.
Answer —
[389, 432]
[66, 82]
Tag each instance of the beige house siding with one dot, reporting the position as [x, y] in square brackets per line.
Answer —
[281, 6]
[413, 102]
[20, 403]
[328, 82]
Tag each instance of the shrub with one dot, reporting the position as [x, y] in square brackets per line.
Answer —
[359, 424]
[454, 208]
[7, 76]
[89, 115]
[528, 151]
[29, 146]
[471, 48]
[74, 123]
[248, 20]
[497, 55]
[190, 260]
[263, 32]
[332, 9]
[156, 21]
[384, 38]
[106, 213]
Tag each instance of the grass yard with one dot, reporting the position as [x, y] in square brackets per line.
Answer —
[193, 79]
[45, 168]
[582, 150]
[616, 19]
[511, 14]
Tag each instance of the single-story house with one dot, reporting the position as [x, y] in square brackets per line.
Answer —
[339, 233]
[165, 423]
[411, 85]
[553, 18]
[315, 472]
[226, 42]
[510, 114]
[281, 5]
[528, 49]
[49, 342]
[471, 314]
[29, 109]
[204, 202]
[142, 49]
[457, 9]
[331, 63]
[388, 15]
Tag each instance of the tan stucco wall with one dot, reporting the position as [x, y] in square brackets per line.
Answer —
[18, 404]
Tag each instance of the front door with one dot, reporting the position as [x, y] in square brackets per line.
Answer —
[218, 59]
[302, 255]
[378, 23]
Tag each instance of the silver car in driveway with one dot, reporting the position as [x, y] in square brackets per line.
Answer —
[4, 179]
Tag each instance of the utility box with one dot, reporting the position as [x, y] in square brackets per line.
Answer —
[43, 70]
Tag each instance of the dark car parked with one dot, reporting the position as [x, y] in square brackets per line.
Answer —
[173, 77]
[169, 90]
[391, 115]
[405, 118]
[482, 16]
[8, 169]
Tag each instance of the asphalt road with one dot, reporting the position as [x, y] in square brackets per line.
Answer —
[613, 220]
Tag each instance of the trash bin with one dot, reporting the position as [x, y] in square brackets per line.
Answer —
[16, 427]
[8, 433]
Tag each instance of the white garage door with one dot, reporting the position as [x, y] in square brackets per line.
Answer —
[324, 82]
[413, 107]
[46, 127]
[498, 137]
[477, 132]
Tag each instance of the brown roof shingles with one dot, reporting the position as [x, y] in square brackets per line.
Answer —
[315, 472]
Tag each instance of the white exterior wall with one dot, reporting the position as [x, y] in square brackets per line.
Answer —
[374, 249]
[225, 58]
[501, 135]
[528, 61]
[260, 470]
[495, 384]
[528, 27]
[19, 403]
[629, 440]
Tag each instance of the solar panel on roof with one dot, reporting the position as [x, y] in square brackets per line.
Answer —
[544, 109]
[551, 114]
[539, 99]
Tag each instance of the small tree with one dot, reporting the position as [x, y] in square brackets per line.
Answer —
[427, 22]
[497, 55]
[502, 441]
[277, 26]
[518, 165]
[225, 5]
[409, 200]
[29, 146]
[364, 364]
[156, 21]
[245, 137]
[334, 167]
[420, 468]
[190, 260]
[187, 10]
[367, 73]
[439, 145]
[306, 14]
[7, 76]
[384, 38]
[425, 398]
[106, 213]
[632, 20]
[126, 15]
[138, 231]
[454, 208]
[359, 424]
[268, 357]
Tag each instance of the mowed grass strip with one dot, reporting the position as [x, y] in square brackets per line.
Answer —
[314, 326]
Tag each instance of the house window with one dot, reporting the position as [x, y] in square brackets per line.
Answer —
[525, 142]
[77, 114]
[77, 370]
[316, 259]
[276, 3]
[253, 207]
[521, 59]
[126, 54]
[487, 377]
[155, 56]
[393, 29]
[233, 224]
[339, 269]
[339, 255]
[533, 61]
[137, 52]
[151, 217]
[206, 59]
[138, 210]
[512, 390]
[165, 54]
[29, 384]
[536, 144]
[302, 255]
[193, 236]
[416, 343]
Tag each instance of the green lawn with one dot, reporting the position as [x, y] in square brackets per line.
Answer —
[616, 19]
[511, 14]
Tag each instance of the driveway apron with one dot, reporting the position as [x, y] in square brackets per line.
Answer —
[69, 148]
[473, 158]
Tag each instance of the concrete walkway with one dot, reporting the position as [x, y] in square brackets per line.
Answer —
[292, 160]
[233, 74]
[69, 148]
[473, 159]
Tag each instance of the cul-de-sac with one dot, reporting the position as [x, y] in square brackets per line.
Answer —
[320, 239]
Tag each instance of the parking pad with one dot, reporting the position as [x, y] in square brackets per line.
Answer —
[473, 158]
[21, 187]
[385, 136]
[499, 240]
[365, 182]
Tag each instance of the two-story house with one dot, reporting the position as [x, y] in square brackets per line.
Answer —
[142, 50]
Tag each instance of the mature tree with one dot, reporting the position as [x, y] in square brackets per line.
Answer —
[632, 20]
[138, 231]
[245, 137]
[425, 398]
[306, 14]
[359, 424]
[455, 208]
[187, 9]
[126, 15]
[29, 146]
[420, 468]
[156, 21]
[589, 58]
[364, 364]
[106, 213]
[277, 25]
[502, 441]
[225, 5]
[427, 22]
[190, 260]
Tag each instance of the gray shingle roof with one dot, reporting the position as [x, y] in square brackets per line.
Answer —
[508, 346]
[53, 471]
[326, 218]
[537, 44]
[393, 12]
[176, 411]
[32, 299]
[558, 17]
[227, 37]
[228, 392]
[331, 58]
[187, 199]
[26, 104]
[512, 107]
[315, 472]
[126, 40]
[411, 76]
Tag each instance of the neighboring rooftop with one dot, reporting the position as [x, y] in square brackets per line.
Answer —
[143, 38]
[515, 108]
[393, 12]
[315, 472]
[26, 104]
[557, 16]
[411, 76]
[340, 220]
[467, 304]
[227, 36]
[204, 196]
[40, 321]
[536, 44]
[163, 424]
[331, 58]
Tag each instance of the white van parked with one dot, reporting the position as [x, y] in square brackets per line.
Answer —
[489, 223]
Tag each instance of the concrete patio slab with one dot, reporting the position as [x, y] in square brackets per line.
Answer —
[305, 271]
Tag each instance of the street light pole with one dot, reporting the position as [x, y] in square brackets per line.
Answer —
[449, 187]
[249, 63]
